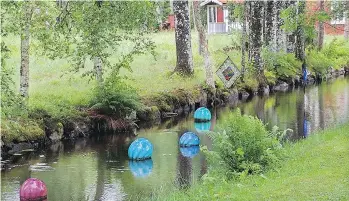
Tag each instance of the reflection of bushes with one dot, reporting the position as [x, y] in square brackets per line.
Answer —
[244, 146]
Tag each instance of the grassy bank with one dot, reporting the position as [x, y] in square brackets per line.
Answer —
[60, 93]
[315, 169]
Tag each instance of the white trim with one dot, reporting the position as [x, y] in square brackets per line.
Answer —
[211, 1]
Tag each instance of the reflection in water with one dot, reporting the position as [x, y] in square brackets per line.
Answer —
[141, 168]
[99, 169]
[189, 152]
[202, 127]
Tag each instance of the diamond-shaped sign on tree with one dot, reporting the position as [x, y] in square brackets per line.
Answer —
[228, 72]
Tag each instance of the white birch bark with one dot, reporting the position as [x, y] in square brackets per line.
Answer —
[25, 45]
[183, 38]
[203, 44]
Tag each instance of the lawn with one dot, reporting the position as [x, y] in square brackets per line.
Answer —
[315, 169]
[52, 87]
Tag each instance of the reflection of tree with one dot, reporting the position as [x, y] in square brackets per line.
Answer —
[259, 107]
[321, 108]
[184, 166]
[101, 155]
[300, 115]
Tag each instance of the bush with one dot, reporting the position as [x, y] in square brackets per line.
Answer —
[115, 98]
[335, 55]
[282, 64]
[244, 146]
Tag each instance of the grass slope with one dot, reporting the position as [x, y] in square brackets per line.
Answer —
[315, 169]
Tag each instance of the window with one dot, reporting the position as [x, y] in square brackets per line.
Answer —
[212, 13]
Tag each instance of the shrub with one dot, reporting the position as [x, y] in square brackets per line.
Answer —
[244, 146]
[115, 98]
[282, 64]
[335, 54]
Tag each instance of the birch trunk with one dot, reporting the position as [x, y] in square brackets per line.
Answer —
[300, 38]
[320, 37]
[183, 38]
[256, 24]
[243, 41]
[346, 25]
[203, 44]
[25, 36]
[256, 31]
[268, 22]
[278, 35]
[98, 69]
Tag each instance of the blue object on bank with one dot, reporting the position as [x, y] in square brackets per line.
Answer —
[305, 75]
[189, 152]
[140, 149]
[305, 128]
[141, 168]
[202, 126]
[189, 139]
[202, 114]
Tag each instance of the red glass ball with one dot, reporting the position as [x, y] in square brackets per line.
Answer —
[33, 190]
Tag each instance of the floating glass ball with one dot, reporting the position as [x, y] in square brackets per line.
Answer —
[189, 152]
[202, 114]
[141, 168]
[140, 149]
[202, 126]
[189, 139]
[33, 189]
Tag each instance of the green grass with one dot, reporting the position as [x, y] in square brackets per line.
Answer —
[53, 88]
[56, 90]
[315, 169]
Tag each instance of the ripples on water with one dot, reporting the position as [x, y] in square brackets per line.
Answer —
[98, 168]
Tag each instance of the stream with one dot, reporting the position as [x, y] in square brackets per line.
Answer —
[98, 168]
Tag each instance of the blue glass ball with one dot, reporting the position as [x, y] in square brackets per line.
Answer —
[202, 126]
[140, 149]
[189, 152]
[202, 114]
[189, 139]
[141, 168]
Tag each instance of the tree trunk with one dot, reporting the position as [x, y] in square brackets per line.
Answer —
[278, 35]
[98, 69]
[183, 38]
[320, 36]
[300, 38]
[243, 41]
[203, 44]
[268, 14]
[256, 24]
[346, 25]
[24, 70]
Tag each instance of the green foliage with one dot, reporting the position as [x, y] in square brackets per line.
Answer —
[115, 98]
[11, 103]
[97, 29]
[335, 55]
[293, 21]
[280, 64]
[244, 146]
[20, 130]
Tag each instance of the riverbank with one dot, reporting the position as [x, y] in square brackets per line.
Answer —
[314, 169]
[58, 106]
